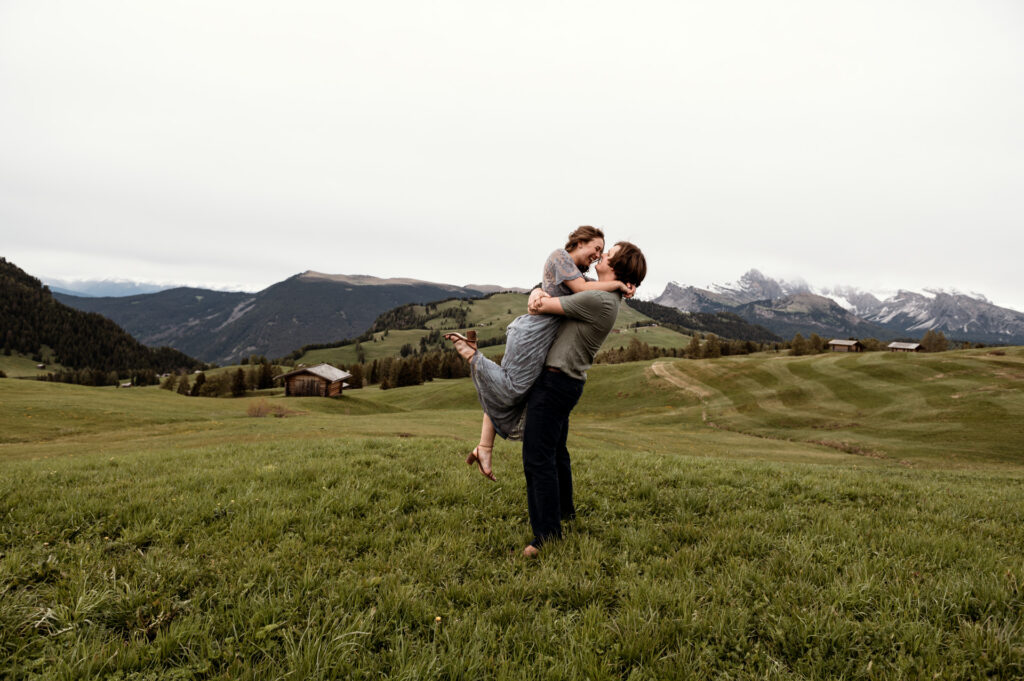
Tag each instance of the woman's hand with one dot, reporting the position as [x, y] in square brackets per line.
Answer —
[628, 290]
[536, 297]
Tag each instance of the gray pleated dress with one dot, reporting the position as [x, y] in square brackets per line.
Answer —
[502, 388]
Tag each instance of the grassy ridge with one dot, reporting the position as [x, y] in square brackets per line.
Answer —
[957, 408]
[489, 317]
[17, 365]
[173, 537]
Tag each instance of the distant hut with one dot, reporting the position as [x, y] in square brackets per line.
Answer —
[845, 346]
[905, 347]
[321, 380]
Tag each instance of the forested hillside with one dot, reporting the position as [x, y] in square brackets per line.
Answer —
[724, 324]
[31, 318]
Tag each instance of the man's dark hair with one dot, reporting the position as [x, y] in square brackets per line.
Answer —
[629, 264]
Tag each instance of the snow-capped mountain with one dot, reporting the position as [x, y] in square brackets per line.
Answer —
[755, 286]
[787, 307]
[956, 314]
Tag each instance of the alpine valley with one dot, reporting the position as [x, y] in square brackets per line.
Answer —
[316, 308]
[787, 308]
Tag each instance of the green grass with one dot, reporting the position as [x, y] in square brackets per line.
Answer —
[951, 409]
[161, 536]
[22, 366]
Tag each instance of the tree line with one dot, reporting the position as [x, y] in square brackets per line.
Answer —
[258, 376]
[701, 346]
[414, 369]
[932, 341]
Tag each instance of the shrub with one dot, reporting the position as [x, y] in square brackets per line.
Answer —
[261, 407]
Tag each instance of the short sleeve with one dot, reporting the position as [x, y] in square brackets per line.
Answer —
[558, 269]
[586, 306]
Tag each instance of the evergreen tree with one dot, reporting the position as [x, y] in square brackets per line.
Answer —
[934, 341]
[266, 379]
[816, 344]
[712, 346]
[197, 387]
[694, 349]
[429, 366]
[183, 386]
[238, 384]
[799, 346]
[169, 382]
[356, 380]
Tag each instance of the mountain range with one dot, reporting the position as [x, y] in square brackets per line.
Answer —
[316, 308]
[89, 288]
[787, 308]
[224, 326]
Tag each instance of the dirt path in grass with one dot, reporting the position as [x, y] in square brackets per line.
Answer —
[664, 370]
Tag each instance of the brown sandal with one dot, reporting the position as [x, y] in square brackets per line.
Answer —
[469, 339]
[474, 458]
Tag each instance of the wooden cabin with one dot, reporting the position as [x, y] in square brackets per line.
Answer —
[845, 346]
[320, 380]
[905, 347]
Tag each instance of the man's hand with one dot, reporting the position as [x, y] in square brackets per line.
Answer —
[628, 290]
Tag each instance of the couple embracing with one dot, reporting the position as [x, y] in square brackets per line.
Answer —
[530, 394]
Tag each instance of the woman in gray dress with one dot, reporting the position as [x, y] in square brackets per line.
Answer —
[502, 388]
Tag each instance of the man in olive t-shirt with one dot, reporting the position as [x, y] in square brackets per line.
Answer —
[590, 316]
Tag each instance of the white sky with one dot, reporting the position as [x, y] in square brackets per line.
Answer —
[235, 143]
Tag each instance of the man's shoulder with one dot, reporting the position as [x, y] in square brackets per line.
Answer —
[594, 300]
[599, 296]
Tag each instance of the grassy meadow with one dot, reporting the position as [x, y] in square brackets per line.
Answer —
[856, 517]
[489, 317]
[17, 365]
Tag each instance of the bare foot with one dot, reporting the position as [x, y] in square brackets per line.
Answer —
[481, 456]
[531, 551]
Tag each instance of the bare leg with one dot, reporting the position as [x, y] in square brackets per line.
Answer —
[481, 454]
[487, 432]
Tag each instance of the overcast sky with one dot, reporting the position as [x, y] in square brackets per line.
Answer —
[236, 143]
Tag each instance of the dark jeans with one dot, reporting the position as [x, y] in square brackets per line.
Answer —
[545, 456]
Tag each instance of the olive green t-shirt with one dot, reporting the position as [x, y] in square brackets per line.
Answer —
[589, 318]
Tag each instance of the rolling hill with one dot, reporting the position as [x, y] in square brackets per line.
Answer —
[422, 327]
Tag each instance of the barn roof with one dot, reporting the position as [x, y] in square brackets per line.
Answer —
[844, 342]
[904, 346]
[324, 371]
